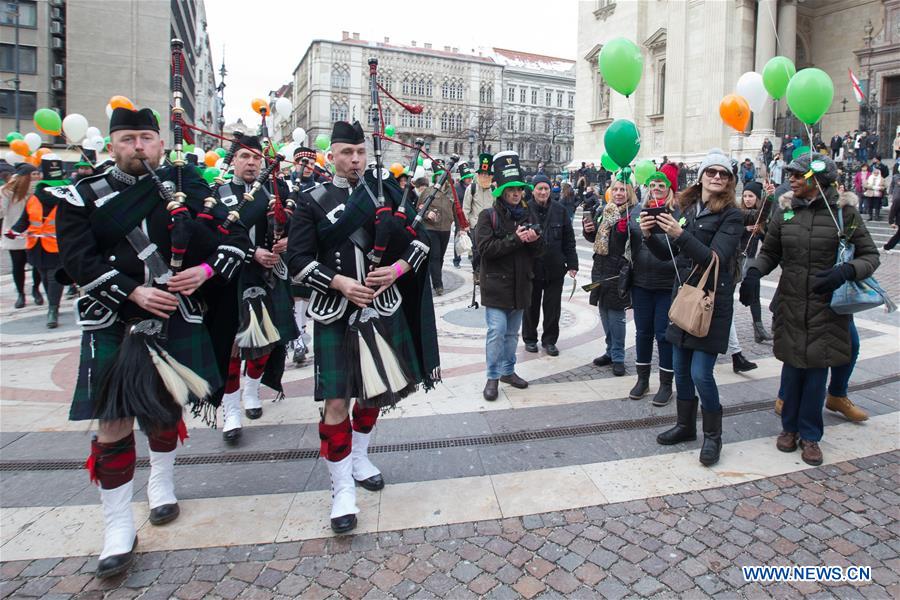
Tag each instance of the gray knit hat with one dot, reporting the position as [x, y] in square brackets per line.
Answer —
[717, 158]
[822, 166]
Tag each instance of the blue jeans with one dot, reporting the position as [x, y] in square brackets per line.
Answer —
[840, 376]
[694, 375]
[502, 338]
[651, 317]
[803, 392]
[614, 327]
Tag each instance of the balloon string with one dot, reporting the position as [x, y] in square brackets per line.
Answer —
[225, 139]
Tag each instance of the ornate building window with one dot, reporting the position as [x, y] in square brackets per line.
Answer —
[522, 93]
[547, 125]
[571, 99]
[429, 121]
[511, 94]
[421, 86]
[404, 119]
[522, 122]
[388, 115]
[339, 110]
[445, 122]
[510, 123]
[533, 123]
[599, 89]
[548, 97]
[559, 99]
[429, 88]
[486, 93]
[340, 76]
[445, 89]
[534, 94]
[385, 80]
[405, 85]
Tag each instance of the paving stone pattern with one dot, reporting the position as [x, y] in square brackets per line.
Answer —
[687, 546]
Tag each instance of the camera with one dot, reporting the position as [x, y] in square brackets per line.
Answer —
[535, 227]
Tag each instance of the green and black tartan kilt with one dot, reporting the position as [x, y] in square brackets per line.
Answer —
[330, 356]
[283, 310]
[188, 343]
[301, 291]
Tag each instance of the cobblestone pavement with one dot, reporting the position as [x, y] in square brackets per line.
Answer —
[688, 545]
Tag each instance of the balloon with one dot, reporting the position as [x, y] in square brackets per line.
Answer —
[121, 102]
[259, 106]
[34, 161]
[201, 155]
[809, 94]
[283, 108]
[320, 159]
[750, 86]
[644, 169]
[33, 140]
[608, 163]
[735, 111]
[20, 147]
[187, 148]
[622, 141]
[396, 169]
[75, 127]
[221, 152]
[323, 141]
[13, 157]
[420, 161]
[621, 64]
[95, 143]
[106, 141]
[158, 118]
[41, 152]
[801, 150]
[776, 75]
[287, 150]
[108, 111]
[47, 121]
[210, 174]
[13, 136]
[390, 130]
[210, 159]
[92, 132]
[299, 135]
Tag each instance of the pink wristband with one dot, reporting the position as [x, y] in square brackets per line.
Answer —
[398, 269]
[208, 269]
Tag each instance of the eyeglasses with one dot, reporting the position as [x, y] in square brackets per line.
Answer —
[713, 173]
[795, 175]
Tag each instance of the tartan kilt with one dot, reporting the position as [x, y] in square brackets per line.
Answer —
[301, 291]
[330, 356]
[189, 343]
[283, 311]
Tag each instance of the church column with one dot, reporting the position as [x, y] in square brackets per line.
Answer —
[787, 29]
[764, 120]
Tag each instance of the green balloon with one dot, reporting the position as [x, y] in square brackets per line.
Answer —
[106, 141]
[420, 161]
[644, 169]
[389, 131]
[801, 151]
[158, 117]
[210, 174]
[809, 94]
[622, 142]
[48, 121]
[777, 74]
[621, 64]
[608, 163]
[172, 156]
[221, 152]
[188, 148]
[323, 141]
[13, 136]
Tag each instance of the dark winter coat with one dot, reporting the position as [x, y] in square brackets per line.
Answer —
[650, 272]
[559, 241]
[705, 232]
[802, 238]
[506, 262]
[606, 268]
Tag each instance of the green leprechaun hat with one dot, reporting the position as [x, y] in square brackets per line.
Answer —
[507, 172]
[484, 163]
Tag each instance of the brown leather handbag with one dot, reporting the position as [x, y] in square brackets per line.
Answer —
[692, 308]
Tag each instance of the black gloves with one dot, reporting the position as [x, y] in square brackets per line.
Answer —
[831, 279]
[749, 291]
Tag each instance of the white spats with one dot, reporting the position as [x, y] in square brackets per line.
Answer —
[343, 489]
[161, 485]
[119, 532]
[362, 466]
[231, 407]
[251, 393]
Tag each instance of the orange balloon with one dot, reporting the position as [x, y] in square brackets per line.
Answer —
[41, 152]
[211, 158]
[259, 105]
[121, 102]
[34, 161]
[320, 159]
[735, 111]
[20, 147]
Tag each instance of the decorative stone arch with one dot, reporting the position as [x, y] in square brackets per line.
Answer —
[599, 89]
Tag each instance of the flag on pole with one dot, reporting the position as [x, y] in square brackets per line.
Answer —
[857, 91]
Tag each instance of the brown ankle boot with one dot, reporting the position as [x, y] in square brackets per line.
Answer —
[779, 404]
[843, 405]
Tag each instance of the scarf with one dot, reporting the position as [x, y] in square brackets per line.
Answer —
[613, 214]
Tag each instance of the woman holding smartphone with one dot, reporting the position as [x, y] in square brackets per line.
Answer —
[710, 222]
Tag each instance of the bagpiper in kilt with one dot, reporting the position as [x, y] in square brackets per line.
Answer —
[329, 250]
[114, 235]
[261, 298]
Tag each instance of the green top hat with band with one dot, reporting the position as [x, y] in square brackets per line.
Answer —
[484, 163]
[507, 172]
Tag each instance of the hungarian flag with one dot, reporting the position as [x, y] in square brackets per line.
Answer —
[857, 91]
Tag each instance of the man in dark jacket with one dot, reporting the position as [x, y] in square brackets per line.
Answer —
[508, 245]
[550, 270]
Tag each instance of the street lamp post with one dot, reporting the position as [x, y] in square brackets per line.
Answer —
[12, 8]
[870, 92]
[471, 145]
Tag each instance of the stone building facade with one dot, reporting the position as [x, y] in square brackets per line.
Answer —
[695, 51]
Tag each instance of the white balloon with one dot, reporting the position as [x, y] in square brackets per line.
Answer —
[13, 158]
[201, 155]
[287, 150]
[108, 111]
[299, 136]
[92, 132]
[50, 156]
[33, 140]
[96, 143]
[427, 164]
[283, 107]
[750, 86]
[75, 127]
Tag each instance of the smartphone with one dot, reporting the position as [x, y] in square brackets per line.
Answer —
[655, 212]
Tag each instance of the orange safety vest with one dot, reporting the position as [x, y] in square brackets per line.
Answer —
[38, 226]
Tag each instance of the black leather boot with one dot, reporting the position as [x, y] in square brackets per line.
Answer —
[52, 317]
[741, 364]
[664, 393]
[685, 429]
[643, 382]
[20, 301]
[712, 438]
[760, 334]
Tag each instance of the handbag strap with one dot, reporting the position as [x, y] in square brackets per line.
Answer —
[714, 261]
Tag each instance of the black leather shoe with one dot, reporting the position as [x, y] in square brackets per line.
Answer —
[531, 347]
[373, 483]
[20, 301]
[253, 413]
[343, 524]
[164, 514]
[551, 350]
[618, 369]
[490, 390]
[515, 381]
[602, 361]
[116, 564]
[38, 298]
[232, 436]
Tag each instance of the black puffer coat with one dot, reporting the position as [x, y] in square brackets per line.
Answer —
[606, 269]
[650, 273]
[803, 239]
[705, 232]
[559, 253]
